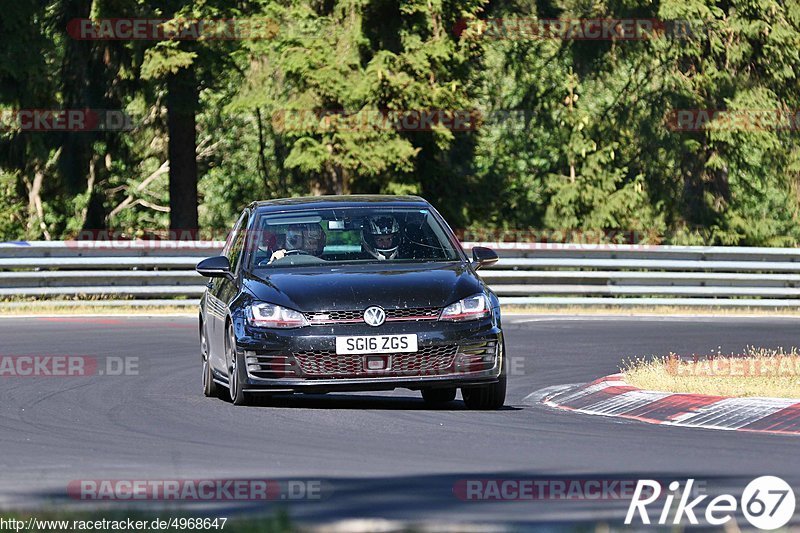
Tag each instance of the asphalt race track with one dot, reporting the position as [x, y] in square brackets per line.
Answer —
[378, 455]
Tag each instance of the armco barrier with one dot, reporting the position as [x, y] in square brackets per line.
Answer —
[162, 272]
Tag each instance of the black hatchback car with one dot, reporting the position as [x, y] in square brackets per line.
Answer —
[350, 293]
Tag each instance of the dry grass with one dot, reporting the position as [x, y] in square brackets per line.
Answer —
[759, 372]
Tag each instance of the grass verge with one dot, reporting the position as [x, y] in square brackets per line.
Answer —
[758, 372]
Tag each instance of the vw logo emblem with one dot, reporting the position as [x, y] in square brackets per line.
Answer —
[374, 316]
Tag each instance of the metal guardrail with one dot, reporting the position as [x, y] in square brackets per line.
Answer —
[162, 272]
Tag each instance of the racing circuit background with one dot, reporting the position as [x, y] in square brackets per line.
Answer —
[636, 166]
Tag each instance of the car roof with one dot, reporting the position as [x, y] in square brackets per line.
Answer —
[334, 201]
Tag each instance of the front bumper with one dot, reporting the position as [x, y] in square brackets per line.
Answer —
[305, 359]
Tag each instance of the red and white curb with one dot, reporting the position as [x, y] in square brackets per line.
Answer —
[612, 396]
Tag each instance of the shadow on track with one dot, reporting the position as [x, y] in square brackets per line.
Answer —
[355, 401]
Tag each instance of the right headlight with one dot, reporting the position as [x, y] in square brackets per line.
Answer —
[264, 315]
[471, 308]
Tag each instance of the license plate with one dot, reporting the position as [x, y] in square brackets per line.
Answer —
[376, 344]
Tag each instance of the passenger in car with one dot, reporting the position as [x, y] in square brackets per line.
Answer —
[381, 237]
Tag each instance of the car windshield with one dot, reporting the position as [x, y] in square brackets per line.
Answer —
[362, 235]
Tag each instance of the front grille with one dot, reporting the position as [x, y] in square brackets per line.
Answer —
[408, 314]
[428, 360]
[413, 313]
[332, 317]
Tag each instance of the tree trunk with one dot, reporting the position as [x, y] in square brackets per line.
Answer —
[332, 180]
[81, 88]
[182, 104]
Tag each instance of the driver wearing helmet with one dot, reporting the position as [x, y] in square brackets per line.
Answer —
[381, 237]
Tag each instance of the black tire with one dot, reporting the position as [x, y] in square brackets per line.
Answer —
[439, 396]
[488, 397]
[237, 373]
[210, 388]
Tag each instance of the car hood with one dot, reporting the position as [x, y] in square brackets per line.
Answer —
[355, 287]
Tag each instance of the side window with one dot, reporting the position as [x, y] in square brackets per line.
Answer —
[231, 234]
[235, 245]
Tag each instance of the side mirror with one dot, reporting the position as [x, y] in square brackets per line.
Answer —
[483, 257]
[215, 267]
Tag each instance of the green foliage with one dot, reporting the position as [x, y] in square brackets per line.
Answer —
[596, 153]
[165, 58]
[325, 84]
[12, 209]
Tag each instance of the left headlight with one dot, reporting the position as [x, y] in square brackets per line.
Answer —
[266, 315]
[471, 308]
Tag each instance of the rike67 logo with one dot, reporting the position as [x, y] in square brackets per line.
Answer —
[767, 502]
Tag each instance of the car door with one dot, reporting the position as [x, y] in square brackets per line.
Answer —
[220, 291]
[229, 288]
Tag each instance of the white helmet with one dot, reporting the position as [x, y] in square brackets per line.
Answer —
[381, 236]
